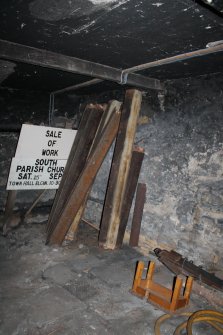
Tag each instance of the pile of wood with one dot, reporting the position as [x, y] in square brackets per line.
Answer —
[99, 126]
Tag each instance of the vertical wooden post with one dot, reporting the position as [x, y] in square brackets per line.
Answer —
[137, 215]
[151, 270]
[119, 170]
[176, 294]
[188, 288]
[134, 171]
[149, 278]
[138, 275]
[10, 202]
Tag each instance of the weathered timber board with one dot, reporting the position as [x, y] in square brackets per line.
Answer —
[119, 170]
[84, 182]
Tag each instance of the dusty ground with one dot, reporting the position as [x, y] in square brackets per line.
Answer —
[77, 289]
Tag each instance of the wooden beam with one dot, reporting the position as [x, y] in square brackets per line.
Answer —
[10, 203]
[137, 215]
[8, 214]
[76, 160]
[119, 170]
[25, 54]
[134, 171]
[111, 108]
[84, 182]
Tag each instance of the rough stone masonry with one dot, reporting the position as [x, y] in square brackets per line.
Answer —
[181, 133]
[183, 169]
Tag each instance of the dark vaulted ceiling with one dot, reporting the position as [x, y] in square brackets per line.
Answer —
[118, 33]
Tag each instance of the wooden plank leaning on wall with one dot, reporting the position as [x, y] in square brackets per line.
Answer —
[120, 169]
[112, 106]
[134, 171]
[76, 161]
[82, 186]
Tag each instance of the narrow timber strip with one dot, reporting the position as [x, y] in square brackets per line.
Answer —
[134, 171]
[119, 170]
[79, 158]
[84, 182]
[8, 214]
[35, 202]
[91, 224]
[44, 58]
[112, 107]
[137, 215]
[10, 203]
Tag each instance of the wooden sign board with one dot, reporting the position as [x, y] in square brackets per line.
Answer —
[40, 173]
[40, 158]
[46, 142]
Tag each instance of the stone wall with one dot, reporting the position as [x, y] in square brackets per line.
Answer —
[183, 169]
[181, 133]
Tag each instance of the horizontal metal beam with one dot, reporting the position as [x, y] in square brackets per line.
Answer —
[25, 54]
[211, 48]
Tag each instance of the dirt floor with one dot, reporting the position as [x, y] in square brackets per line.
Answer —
[77, 289]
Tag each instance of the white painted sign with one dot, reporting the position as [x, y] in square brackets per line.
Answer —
[46, 142]
[40, 158]
[40, 173]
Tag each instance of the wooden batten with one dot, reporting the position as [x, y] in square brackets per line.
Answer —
[119, 170]
[137, 215]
